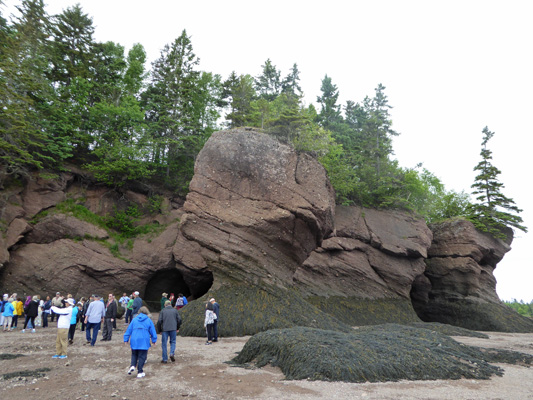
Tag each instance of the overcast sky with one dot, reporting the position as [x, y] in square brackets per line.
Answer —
[450, 69]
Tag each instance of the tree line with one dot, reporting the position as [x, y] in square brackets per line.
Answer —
[66, 98]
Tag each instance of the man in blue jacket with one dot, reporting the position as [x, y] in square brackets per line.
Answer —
[139, 333]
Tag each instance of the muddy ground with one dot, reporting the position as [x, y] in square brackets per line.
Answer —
[200, 372]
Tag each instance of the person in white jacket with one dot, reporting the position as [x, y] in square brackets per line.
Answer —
[63, 325]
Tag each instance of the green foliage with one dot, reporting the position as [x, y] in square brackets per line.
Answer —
[521, 308]
[372, 354]
[123, 221]
[493, 212]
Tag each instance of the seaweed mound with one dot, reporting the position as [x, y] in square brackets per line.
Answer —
[247, 310]
[372, 354]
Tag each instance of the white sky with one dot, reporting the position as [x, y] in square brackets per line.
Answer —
[450, 69]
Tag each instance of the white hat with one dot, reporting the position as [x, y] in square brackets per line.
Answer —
[6, 295]
[71, 301]
[136, 293]
[211, 299]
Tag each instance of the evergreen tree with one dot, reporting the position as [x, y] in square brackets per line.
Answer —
[176, 102]
[241, 95]
[329, 116]
[268, 84]
[494, 211]
[291, 83]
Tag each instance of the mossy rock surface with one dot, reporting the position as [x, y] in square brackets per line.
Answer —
[355, 311]
[477, 316]
[448, 330]
[379, 353]
[246, 310]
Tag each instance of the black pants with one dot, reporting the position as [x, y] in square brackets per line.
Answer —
[32, 319]
[108, 329]
[71, 331]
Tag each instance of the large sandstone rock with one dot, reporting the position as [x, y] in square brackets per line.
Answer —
[460, 266]
[376, 254]
[256, 207]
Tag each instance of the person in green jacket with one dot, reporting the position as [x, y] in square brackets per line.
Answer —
[129, 310]
[163, 300]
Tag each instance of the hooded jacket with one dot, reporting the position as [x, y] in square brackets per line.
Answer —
[139, 332]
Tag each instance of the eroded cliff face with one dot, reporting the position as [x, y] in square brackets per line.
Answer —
[258, 214]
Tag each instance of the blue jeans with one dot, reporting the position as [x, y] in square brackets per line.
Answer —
[128, 317]
[168, 335]
[95, 328]
[138, 358]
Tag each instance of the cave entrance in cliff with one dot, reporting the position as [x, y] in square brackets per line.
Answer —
[171, 281]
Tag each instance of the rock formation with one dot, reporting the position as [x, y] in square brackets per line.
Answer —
[260, 215]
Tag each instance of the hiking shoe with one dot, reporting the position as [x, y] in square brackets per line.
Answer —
[141, 375]
[132, 368]
[164, 362]
[62, 357]
[24, 330]
[56, 356]
[172, 358]
[33, 331]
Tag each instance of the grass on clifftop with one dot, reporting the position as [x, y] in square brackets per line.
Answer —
[371, 354]
[247, 310]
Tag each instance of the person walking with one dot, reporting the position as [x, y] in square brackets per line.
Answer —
[140, 332]
[110, 316]
[93, 319]
[216, 310]
[63, 326]
[129, 310]
[170, 321]
[209, 320]
[137, 304]
[31, 311]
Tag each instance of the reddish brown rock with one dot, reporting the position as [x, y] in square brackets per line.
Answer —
[61, 226]
[42, 193]
[378, 256]
[16, 231]
[256, 207]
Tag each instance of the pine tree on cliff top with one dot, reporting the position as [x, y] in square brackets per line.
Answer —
[494, 211]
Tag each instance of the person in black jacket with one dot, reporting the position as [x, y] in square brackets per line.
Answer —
[170, 321]
[31, 311]
[110, 316]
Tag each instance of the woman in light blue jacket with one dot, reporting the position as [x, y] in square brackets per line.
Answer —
[139, 332]
[8, 315]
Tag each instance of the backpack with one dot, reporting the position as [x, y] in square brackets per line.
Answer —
[3, 306]
[179, 301]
